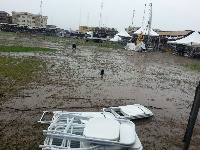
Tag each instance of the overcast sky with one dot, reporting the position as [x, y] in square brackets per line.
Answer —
[66, 14]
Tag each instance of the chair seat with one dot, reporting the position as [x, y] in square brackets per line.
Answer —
[103, 128]
[131, 110]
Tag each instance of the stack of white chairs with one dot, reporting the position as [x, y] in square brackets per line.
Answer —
[110, 129]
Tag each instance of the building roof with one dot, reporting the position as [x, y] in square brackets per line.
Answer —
[3, 12]
[173, 33]
[192, 39]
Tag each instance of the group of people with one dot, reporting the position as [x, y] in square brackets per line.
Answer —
[185, 51]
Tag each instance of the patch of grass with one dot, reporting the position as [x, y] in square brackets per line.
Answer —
[17, 69]
[22, 49]
[17, 72]
[192, 66]
[10, 33]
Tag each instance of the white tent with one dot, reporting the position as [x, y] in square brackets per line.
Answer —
[192, 39]
[116, 38]
[145, 32]
[123, 33]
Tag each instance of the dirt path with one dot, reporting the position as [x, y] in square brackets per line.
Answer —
[72, 83]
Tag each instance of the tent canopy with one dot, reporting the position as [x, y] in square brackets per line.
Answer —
[192, 39]
[116, 38]
[145, 32]
[123, 33]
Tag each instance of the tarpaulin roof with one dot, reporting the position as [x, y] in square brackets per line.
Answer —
[145, 32]
[123, 33]
[116, 38]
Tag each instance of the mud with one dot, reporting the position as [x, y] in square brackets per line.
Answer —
[72, 82]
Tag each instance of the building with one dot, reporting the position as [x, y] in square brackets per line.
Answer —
[51, 26]
[98, 31]
[5, 17]
[105, 32]
[28, 19]
[85, 29]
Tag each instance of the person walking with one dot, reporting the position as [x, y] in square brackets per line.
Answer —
[102, 73]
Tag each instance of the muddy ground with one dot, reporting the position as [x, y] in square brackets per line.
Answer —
[72, 83]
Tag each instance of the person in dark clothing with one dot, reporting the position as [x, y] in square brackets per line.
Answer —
[183, 51]
[73, 46]
[102, 72]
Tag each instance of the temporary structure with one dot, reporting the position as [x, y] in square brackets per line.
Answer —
[192, 39]
[145, 32]
[120, 36]
[116, 38]
[123, 33]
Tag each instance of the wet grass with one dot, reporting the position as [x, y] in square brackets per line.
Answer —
[63, 41]
[22, 49]
[10, 33]
[16, 72]
[192, 66]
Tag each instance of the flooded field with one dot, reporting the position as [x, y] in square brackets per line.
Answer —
[71, 82]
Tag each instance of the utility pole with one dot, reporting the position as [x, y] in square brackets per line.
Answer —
[149, 25]
[41, 19]
[40, 9]
[133, 17]
[192, 119]
[100, 21]
[80, 15]
[150, 20]
[143, 16]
